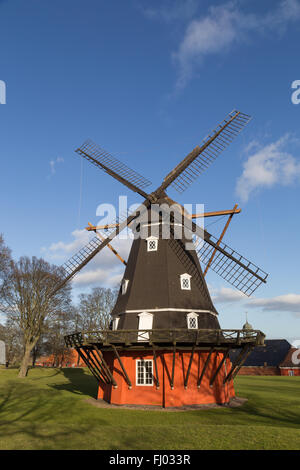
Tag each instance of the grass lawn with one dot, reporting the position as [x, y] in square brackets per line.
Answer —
[47, 411]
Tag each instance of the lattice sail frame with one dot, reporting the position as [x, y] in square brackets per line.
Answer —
[228, 268]
[89, 149]
[83, 256]
[228, 129]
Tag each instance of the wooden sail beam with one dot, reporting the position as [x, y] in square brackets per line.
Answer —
[91, 227]
[220, 239]
[216, 213]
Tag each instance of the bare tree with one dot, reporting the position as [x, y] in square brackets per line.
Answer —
[28, 291]
[11, 334]
[5, 260]
[94, 309]
[53, 343]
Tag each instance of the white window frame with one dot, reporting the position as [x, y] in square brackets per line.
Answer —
[190, 316]
[150, 241]
[125, 283]
[291, 373]
[144, 378]
[185, 277]
[115, 323]
[148, 316]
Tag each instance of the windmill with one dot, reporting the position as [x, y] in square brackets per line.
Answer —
[165, 345]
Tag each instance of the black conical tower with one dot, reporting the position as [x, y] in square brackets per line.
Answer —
[165, 281]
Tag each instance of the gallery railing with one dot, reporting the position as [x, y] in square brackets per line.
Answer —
[174, 336]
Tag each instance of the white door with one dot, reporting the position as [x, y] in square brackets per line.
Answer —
[145, 323]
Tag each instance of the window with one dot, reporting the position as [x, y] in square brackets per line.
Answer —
[185, 281]
[152, 243]
[145, 323]
[115, 323]
[124, 286]
[144, 375]
[192, 321]
[291, 373]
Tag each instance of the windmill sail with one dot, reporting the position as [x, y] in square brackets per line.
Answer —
[87, 253]
[196, 162]
[106, 162]
[230, 265]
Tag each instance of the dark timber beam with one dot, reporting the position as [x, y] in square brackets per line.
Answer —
[95, 365]
[86, 361]
[219, 368]
[173, 367]
[106, 366]
[155, 365]
[205, 367]
[122, 366]
[100, 366]
[240, 360]
[241, 363]
[189, 368]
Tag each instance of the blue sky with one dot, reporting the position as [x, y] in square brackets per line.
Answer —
[147, 81]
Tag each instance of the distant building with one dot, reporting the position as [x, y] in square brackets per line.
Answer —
[289, 366]
[2, 353]
[275, 358]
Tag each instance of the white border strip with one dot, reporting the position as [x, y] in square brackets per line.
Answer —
[190, 310]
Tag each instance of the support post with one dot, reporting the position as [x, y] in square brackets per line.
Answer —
[205, 367]
[219, 368]
[85, 360]
[173, 367]
[241, 363]
[100, 366]
[122, 366]
[189, 368]
[95, 364]
[238, 362]
[155, 365]
[106, 367]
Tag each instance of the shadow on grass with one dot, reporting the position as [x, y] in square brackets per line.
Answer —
[80, 382]
[25, 413]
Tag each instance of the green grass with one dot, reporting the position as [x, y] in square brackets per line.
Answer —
[47, 410]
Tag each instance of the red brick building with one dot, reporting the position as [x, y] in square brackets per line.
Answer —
[276, 357]
[291, 364]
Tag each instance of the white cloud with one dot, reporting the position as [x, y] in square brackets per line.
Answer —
[53, 164]
[223, 27]
[97, 276]
[104, 269]
[283, 303]
[268, 166]
[59, 250]
[226, 294]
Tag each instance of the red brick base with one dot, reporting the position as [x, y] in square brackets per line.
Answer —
[263, 370]
[164, 395]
